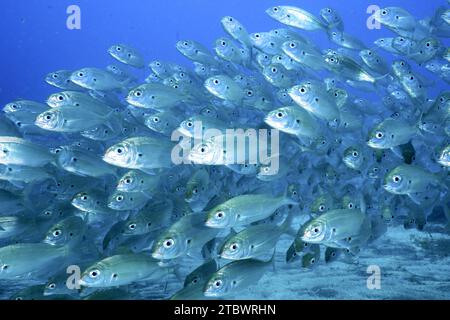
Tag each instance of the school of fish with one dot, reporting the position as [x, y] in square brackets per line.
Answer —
[88, 179]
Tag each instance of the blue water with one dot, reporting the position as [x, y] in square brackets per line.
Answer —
[34, 41]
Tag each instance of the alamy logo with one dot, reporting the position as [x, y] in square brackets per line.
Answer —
[373, 22]
[73, 21]
[374, 280]
[227, 147]
[73, 281]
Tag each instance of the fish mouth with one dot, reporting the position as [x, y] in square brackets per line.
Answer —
[48, 241]
[83, 283]
[75, 80]
[108, 159]
[157, 255]
[305, 238]
[371, 144]
[389, 188]
[224, 255]
[209, 293]
[267, 119]
[212, 224]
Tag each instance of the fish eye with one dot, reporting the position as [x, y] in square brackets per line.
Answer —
[275, 9]
[80, 74]
[257, 35]
[119, 198]
[132, 226]
[396, 179]
[375, 169]
[203, 149]
[379, 135]
[119, 150]
[223, 43]
[155, 119]
[74, 159]
[274, 70]
[350, 205]
[127, 180]
[185, 44]
[189, 124]
[5, 267]
[369, 53]
[280, 115]
[94, 274]
[384, 12]
[84, 197]
[316, 230]
[47, 213]
[216, 81]
[355, 153]
[220, 214]
[195, 190]
[249, 93]
[302, 90]
[138, 93]
[218, 283]
[51, 286]
[60, 98]
[321, 208]
[57, 233]
[48, 116]
[119, 48]
[54, 76]
[313, 261]
[168, 243]
[234, 246]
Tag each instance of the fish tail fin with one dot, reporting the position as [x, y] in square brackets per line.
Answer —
[272, 260]
[286, 226]
[177, 273]
[26, 195]
[446, 210]
[126, 84]
[363, 205]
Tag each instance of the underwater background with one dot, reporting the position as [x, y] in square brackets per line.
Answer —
[414, 262]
